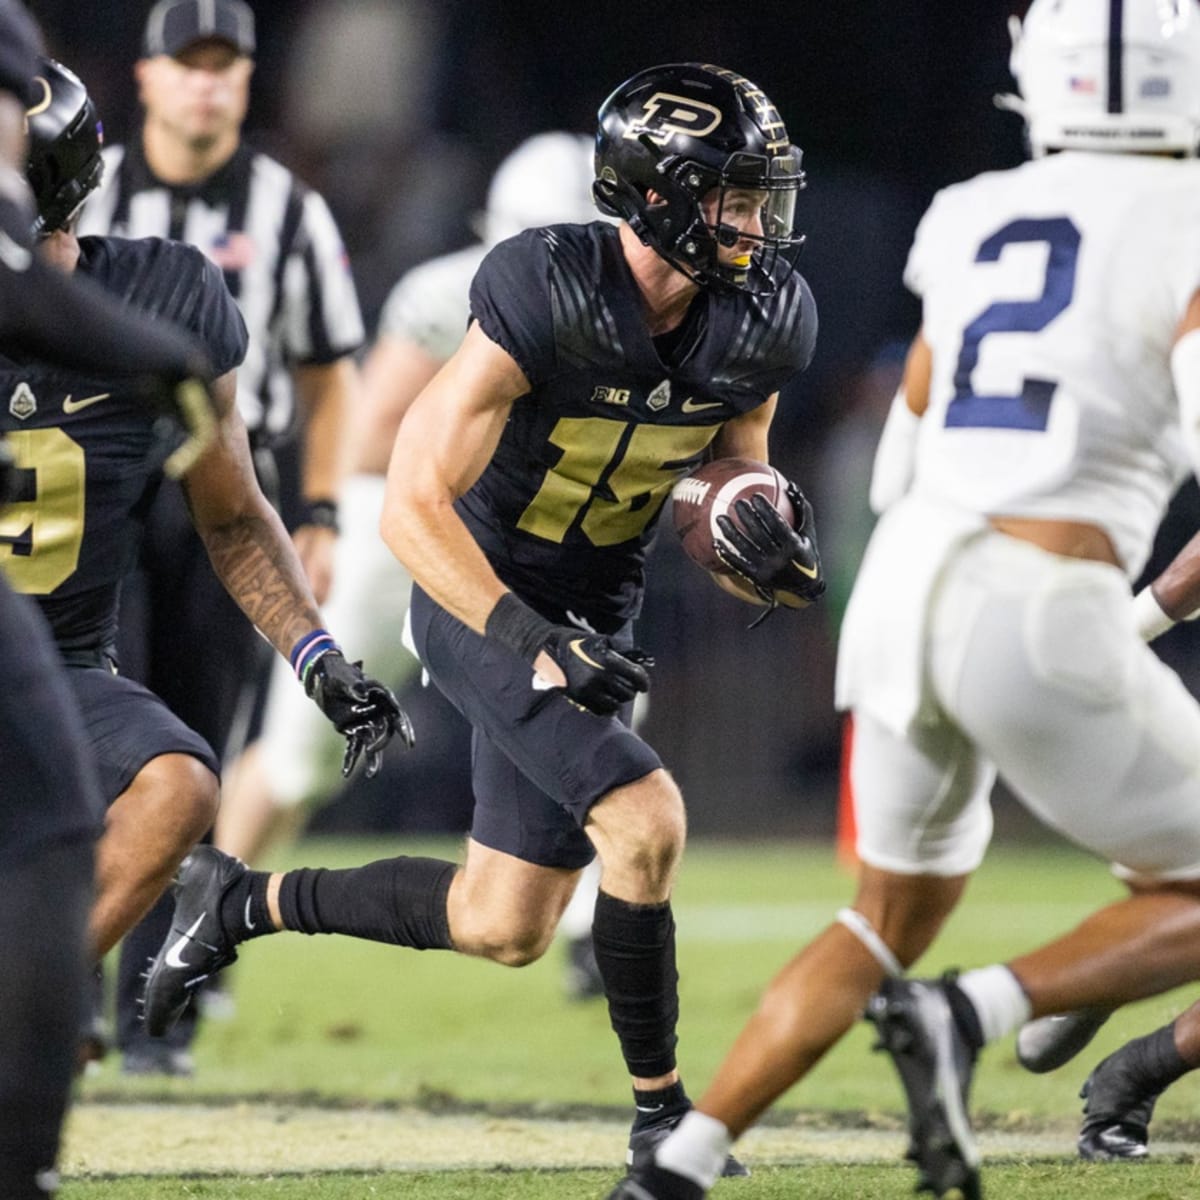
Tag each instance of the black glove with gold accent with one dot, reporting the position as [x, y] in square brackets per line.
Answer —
[780, 562]
[600, 678]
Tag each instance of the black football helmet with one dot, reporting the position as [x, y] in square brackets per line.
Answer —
[65, 136]
[682, 131]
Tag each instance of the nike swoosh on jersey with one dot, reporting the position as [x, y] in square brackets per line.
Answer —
[690, 406]
[74, 406]
[249, 921]
[174, 957]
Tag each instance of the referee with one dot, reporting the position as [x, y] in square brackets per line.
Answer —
[189, 176]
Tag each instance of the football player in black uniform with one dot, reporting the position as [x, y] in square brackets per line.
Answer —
[50, 807]
[86, 453]
[603, 362]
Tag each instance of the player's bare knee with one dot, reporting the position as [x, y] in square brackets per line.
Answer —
[200, 793]
[639, 831]
[179, 793]
[504, 944]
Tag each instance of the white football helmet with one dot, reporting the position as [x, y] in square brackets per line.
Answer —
[546, 180]
[1119, 75]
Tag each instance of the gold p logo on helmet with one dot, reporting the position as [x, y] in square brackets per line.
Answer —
[666, 114]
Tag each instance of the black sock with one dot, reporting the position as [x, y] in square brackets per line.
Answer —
[398, 900]
[244, 911]
[1155, 1060]
[966, 1019]
[635, 951]
[659, 1104]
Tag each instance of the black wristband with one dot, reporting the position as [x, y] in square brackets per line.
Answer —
[322, 513]
[514, 624]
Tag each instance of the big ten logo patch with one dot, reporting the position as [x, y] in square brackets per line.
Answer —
[611, 395]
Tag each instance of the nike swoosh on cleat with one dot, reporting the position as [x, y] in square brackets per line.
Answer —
[690, 406]
[173, 955]
[74, 406]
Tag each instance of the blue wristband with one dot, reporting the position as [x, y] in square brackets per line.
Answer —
[311, 647]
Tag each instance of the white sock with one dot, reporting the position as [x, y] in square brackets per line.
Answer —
[999, 1000]
[696, 1149]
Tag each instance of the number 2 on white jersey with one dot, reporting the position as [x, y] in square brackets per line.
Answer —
[1030, 408]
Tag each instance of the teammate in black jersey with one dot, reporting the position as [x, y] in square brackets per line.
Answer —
[602, 364]
[50, 806]
[89, 470]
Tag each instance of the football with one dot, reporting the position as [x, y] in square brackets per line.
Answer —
[710, 490]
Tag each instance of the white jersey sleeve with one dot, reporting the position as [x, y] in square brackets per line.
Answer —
[429, 305]
[1051, 295]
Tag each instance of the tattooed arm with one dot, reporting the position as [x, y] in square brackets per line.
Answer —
[246, 541]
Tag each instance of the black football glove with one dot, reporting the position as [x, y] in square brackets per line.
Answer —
[600, 678]
[768, 553]
[362, 709]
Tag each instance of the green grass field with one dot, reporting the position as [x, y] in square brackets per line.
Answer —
[353, 1069]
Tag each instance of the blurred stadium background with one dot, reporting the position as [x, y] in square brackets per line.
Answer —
[398, 110]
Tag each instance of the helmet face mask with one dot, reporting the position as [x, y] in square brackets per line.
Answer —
[1094, 75]
[65, 137]
[680, 148]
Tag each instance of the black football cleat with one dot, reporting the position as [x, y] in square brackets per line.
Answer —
[1048, 1042]
[645, 1138]
[935, 1063]
[1117, 1110]
[652, 1182]
[197, 945]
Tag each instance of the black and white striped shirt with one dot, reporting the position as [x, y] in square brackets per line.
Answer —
[279, 248]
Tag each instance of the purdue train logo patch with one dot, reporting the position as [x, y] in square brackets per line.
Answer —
[22, 403]
[660, 397]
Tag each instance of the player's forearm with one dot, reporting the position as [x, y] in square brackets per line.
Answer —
[431, 540]
[327, 397]
[255, 559]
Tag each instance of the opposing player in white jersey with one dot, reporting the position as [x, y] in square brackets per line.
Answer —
[1050, 407]
[546, 180]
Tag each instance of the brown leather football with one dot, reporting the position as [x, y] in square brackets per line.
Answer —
[710, 490]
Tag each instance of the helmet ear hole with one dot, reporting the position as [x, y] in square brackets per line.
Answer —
[65, 139]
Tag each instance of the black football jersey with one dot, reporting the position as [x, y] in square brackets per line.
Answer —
[566, 507]
[88, 453]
